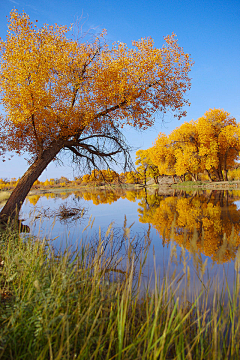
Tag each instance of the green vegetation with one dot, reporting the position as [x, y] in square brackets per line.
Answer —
[88, 304]
[193, 185]
[190, 185]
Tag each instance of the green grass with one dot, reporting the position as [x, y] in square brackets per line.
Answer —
[89, 303]
[189, 184]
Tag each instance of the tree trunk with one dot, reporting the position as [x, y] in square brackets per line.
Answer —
[209, 175]
[220, 172]
[225, 168]
[145, 177]
[193, 177]
[17, 197]
[225, 175]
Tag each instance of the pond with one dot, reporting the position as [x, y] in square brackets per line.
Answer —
[191, 234]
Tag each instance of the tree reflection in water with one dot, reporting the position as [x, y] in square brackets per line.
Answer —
[206, 222]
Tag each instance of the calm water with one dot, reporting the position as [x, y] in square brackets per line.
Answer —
[203, 227]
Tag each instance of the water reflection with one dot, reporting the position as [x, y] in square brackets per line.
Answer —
[204, 222]
[208, 223]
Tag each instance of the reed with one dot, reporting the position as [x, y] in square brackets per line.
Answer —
[89, 303]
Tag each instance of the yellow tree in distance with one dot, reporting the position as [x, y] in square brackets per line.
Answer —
[210, 144]
[162, 155]
[60, 93]
[219, 142]
[184, 141]
[145, 167]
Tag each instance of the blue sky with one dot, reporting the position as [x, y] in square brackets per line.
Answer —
[208, 30]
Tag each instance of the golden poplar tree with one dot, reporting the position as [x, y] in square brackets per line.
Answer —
[211, 144]
[218, 134]
[162, 155]
[60, 93]
[184, 141]
[145, 167]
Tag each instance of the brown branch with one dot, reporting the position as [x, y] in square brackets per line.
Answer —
[111, 109]
[92, 150]
[36, 136]
[84, 69]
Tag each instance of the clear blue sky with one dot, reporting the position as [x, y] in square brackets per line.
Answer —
[208, 30]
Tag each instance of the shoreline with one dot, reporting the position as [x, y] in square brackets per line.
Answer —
[187, 186]
[221, 185]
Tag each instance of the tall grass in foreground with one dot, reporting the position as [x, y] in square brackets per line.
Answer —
[74, 306]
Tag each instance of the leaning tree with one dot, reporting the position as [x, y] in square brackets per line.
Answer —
[61, 93]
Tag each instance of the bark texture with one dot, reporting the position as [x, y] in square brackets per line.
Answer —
[17, 197]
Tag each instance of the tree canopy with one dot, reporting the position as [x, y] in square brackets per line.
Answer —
[60, 93]
[209, 144]
[146, 168]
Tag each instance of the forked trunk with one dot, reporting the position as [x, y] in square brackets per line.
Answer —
[218, 174]
[17, 197]
[193, 177]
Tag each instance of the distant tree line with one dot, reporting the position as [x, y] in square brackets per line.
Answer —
[206, 148]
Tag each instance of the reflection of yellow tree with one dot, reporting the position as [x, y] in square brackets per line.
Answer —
[61, 195]
[97, 196]
[133, 195]
[33, 199]
[106, 197]
[212, 219]
[148, 205]
[50, 195]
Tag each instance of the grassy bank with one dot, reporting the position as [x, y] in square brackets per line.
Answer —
[203, 185]
[89, 304]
